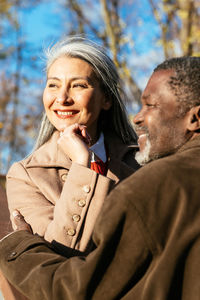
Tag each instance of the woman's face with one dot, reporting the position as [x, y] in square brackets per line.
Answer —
[73, 95]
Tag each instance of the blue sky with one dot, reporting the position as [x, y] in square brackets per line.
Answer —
[42, 22]
[43, 25]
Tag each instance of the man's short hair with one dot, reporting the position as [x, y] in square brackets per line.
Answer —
[185, 82]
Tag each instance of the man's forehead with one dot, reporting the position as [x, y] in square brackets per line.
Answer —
[158, 85]
[145, 96]
[161, 76]
[159, 79]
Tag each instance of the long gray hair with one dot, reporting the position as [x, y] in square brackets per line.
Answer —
[115, 118]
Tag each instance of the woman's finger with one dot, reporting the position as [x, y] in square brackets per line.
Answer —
[78, 130]
[86, 136]
[20, 223]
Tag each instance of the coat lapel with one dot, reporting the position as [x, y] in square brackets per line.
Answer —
[118, 167]
[49, 155]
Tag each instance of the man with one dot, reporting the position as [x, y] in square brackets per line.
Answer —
[147, 238]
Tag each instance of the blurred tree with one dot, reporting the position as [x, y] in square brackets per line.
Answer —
[119, 25]
[179, 22]
[105, 21]
[110, 21]
[15, 123]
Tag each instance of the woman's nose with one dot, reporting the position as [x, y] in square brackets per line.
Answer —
[64, 99]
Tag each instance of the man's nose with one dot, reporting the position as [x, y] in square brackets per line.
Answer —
[138, 118]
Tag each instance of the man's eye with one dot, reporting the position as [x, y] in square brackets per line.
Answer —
[150, 105]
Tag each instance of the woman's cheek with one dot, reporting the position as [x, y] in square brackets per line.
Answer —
[48, 99]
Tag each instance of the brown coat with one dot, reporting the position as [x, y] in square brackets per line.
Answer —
[5, 224]
[147, 241]
[60, 199]
[8, 291]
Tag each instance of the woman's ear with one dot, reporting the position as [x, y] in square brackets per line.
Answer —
[194, 119]
[107, 103]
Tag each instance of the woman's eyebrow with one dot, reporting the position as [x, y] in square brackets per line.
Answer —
[71, 79]
[54, 78]
[80, 77]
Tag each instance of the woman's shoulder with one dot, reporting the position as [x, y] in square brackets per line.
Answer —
[38, 156]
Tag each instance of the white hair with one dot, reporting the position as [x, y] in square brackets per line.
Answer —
[142, 157]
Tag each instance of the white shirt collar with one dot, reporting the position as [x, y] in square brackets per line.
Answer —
[99, 148]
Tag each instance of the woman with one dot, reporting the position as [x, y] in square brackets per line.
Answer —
[85, 146]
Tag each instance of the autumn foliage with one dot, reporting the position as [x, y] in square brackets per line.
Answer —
[116, 24]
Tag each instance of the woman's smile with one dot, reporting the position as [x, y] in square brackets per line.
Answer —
[65, 114]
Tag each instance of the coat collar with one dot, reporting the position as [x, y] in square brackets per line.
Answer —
[115, 147]
[50, 155]
[193, 143]
[117, 150]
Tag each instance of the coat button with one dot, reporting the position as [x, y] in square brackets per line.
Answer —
[86, 188]
[64, 177]
[12, 254]
[76, 218]
[81, 203]
[71, 231]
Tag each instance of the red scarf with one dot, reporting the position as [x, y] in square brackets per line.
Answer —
[99, 166]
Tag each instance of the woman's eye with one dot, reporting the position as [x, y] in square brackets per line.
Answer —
[52, 85]
[82, 85]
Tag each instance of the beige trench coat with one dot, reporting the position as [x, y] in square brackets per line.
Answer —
[61, 199]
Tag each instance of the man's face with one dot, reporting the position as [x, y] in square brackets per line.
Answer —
[160, 128]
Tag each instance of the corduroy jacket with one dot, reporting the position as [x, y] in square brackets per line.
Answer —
[147, 240]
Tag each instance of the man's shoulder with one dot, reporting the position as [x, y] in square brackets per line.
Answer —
[164, 176]
[155, 170]
[172, 165]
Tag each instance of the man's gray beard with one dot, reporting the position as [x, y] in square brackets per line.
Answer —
[142, 157]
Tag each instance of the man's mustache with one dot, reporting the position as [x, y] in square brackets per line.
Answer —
[140, 129]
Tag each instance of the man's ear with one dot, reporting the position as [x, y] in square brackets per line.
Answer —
[194, 119]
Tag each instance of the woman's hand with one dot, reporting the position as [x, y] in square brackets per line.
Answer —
[20, 223]
[74, 141]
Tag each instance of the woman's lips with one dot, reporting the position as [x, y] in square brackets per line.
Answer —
[65, 114]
